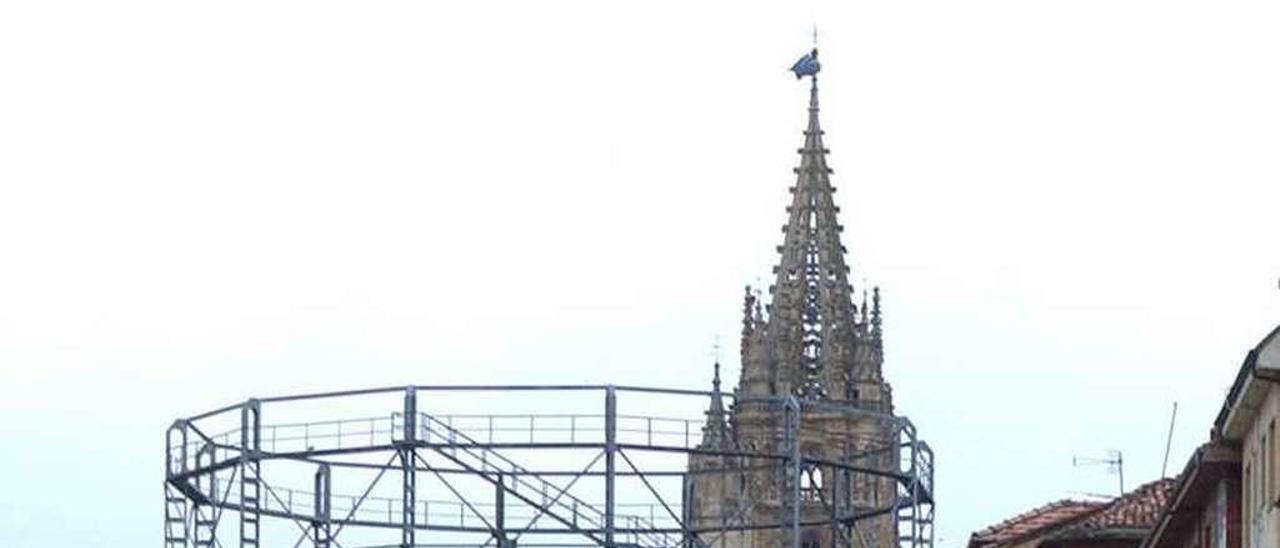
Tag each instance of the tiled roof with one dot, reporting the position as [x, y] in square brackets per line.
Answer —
[1034, 521]
[1066, 519]
[1137, 509]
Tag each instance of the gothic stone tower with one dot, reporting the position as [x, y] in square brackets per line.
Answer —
[812, 342]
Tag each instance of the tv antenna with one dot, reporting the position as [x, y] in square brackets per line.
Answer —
[1114, 463]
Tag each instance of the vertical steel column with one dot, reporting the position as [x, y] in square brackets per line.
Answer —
[250, 488]
[906, 516]
[791, 444]
[500, 512]
[320, 524]
[408, 467]
[833, 487]
[410, 415]
[849, 500]
[205, 534]
[912, 484]
[176, 533]
[206, 528]
[928, 451]
[686, 511]
[176, 511]
[915, 490]
[722, 521]
[610, 468]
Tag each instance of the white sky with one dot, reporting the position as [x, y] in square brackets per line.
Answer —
[1070, 207]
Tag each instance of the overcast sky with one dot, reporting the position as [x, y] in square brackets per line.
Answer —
[1070, 207]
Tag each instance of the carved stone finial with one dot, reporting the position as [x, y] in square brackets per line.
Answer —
[759, 311]
[865, 312]
[875, 312]
[715, 433]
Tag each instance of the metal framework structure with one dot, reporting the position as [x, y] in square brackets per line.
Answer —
[501, 466]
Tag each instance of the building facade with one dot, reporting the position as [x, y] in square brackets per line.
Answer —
[1204, 507]
[1248, 421]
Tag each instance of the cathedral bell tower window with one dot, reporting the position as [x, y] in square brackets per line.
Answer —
[811, 484]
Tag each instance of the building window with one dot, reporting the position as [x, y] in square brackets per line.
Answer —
[1271, 463]
[1259, 469]
[811, 484]
[1220, 516]
[1247, 493]
[1253, 485]
[1263, 464]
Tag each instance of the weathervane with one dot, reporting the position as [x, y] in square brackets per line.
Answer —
[808, 64]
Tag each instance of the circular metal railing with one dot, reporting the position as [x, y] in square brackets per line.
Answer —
[540, 465]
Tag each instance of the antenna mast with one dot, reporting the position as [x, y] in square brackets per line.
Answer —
[1168, 442]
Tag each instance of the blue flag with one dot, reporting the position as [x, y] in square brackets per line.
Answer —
[807, 65]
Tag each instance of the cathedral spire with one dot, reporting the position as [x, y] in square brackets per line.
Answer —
[813, 341]
[715, 433]
[812, 314]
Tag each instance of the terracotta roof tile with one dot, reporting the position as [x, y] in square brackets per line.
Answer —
[1137, 509]
[1065, 519]
[1031, 522]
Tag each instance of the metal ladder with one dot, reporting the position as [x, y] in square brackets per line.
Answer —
[250, 503]
[175, 518]
[206, 526]
[250, 478]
